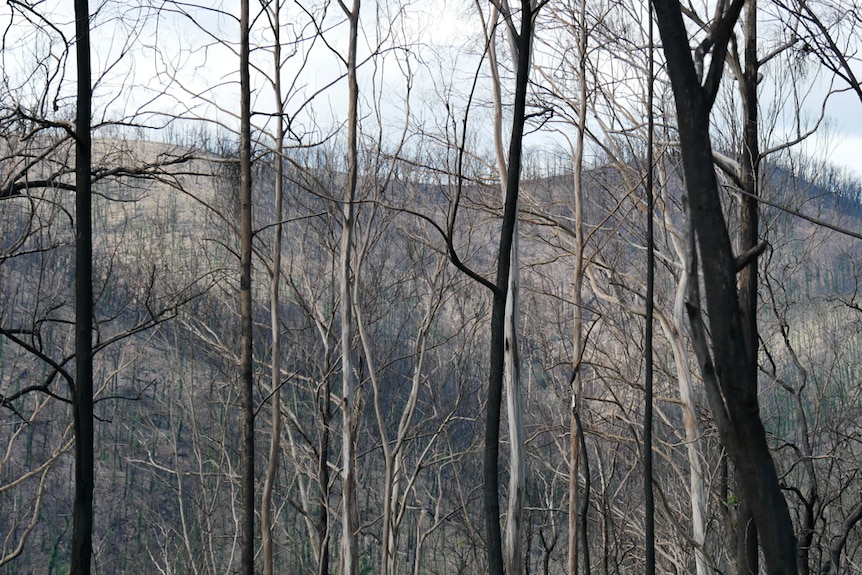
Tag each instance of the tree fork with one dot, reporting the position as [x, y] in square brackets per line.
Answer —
[727, 376]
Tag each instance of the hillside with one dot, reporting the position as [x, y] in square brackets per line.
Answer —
[167, 492]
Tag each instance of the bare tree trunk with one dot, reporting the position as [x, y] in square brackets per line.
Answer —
[511, 368]
[497, 355]
[245, 299]
[747, 559]
[512, 364]
[649, 497]
[833, 561]
[275, 278]
[674, 327]
[82, 510]
[577, 286]
[350, 512]
[697, 494]
[728, 377]
[323, 534]
[514, 401]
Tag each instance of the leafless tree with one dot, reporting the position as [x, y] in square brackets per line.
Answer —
[728, 370]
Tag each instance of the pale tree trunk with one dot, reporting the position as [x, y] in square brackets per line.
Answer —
[576, 532]
[577, 284]
[694, 450]
[350, 512]
[275, 277]
[578, 323]
[514, 401]
[245, 299]
[323, 529]
[394, 495]
[82, 510]
[697, 493]
[673, 324]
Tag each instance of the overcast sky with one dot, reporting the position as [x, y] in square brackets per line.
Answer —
[441, 34]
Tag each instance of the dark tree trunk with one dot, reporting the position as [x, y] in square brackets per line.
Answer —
[491, 494]
[747, 555]
[584, 504]
[245, 299]
[82, 403]
[747, 558]
[649, 498]
[730, 376]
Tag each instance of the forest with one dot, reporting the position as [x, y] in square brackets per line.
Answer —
[430, 287]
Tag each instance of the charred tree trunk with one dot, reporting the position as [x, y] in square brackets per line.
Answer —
[498, 314]
[82, 404]
[245, 299]
[747, 557]
[649, 497]
[729, 375]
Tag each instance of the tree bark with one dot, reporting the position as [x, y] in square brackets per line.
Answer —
[833, 561]
[747, 557]
[575, 429]
[730, 378]
[649, 497]
[350, 512]
[498, 352]
[512, 365]
[323, 535]
[245, 300]
[82, 510]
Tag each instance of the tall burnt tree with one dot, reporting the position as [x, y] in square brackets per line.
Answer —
[730, 374]
[246, 380]
[522, 41]
[82, 405]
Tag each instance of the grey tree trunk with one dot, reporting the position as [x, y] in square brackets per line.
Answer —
[575, 430]
[350, 512]
[275, 278]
